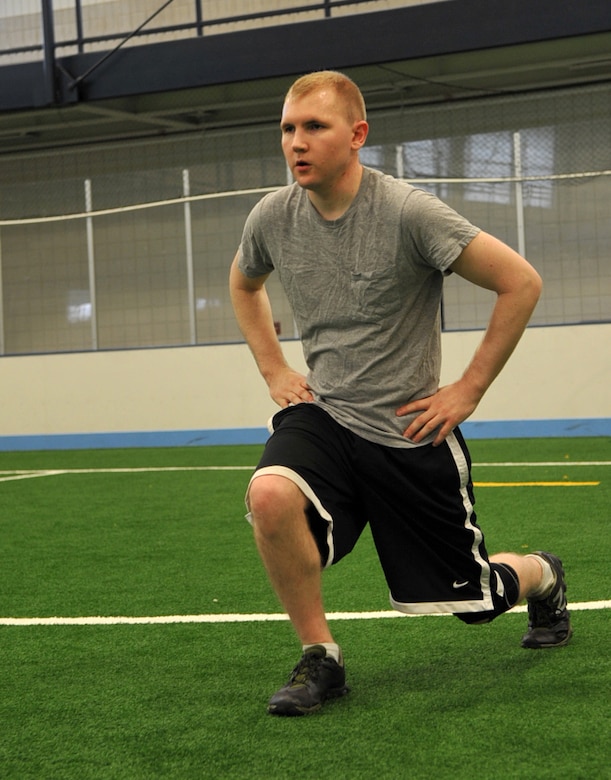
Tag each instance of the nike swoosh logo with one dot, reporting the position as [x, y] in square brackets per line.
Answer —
[456, 584]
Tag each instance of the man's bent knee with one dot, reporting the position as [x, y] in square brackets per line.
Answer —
[272, 499]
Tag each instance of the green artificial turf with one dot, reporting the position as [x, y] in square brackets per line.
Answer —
[431, 697]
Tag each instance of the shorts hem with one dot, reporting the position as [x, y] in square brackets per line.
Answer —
[441, 607]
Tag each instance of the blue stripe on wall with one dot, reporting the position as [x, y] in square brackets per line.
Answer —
[536, 429]
[499, 429]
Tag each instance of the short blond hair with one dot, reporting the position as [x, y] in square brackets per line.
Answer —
[344, 87]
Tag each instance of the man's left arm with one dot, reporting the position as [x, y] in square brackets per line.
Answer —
[489, 263]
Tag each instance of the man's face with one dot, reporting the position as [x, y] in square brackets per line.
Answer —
[318, 140]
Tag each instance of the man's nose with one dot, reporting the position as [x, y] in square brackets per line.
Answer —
[299, 142]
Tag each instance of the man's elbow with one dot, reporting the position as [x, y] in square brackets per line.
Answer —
[528, 291]
[534, 285]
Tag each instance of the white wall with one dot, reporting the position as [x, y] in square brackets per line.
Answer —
[559, 372]
[556, 373]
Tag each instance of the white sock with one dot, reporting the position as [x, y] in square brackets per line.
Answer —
[333, 650]
[548, 578]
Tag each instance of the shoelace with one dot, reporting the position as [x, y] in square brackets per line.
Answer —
[307, 669]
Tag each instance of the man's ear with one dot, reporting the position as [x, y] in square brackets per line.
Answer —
[360, 131]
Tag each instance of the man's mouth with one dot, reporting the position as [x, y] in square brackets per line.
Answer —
[301, 165]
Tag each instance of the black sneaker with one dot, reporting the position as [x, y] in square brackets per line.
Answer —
[315, 679]
[548, 618]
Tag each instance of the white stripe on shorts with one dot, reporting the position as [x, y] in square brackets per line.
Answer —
[463, 471]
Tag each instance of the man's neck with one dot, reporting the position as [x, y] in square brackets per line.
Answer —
[334, 204]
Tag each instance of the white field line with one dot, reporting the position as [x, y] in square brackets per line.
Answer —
[242, 618]
[11, 476]
[6, 474]
[550, 463]
[126, 470]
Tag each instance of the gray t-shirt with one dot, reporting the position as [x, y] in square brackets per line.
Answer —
[365, 290]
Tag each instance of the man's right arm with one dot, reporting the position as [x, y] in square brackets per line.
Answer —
[254, 315]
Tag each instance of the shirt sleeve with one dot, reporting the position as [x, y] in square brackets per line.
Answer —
[435, 231]
[253, 257]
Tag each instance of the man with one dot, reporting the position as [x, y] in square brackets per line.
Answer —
[369, 436]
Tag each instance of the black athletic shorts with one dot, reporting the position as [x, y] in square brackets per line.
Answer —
[418, 502]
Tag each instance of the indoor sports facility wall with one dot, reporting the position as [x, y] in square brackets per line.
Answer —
[114, 309]
[556, 384]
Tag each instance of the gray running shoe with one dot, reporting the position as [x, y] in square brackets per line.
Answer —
[315, 679]
[549, 622]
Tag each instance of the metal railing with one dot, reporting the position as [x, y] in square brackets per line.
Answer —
[198, 26]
